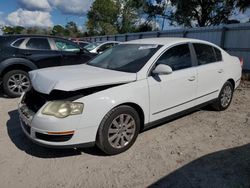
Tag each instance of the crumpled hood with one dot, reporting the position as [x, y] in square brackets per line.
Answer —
[72, 78]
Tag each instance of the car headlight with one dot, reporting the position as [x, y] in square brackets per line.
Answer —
[62, 109]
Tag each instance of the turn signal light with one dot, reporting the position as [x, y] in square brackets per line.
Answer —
[61, 133]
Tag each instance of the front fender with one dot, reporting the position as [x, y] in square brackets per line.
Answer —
[97, 105]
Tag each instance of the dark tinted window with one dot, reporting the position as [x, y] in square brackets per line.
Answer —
[38, 44]
[218, 54]
[18, 42]
[177, 57]
[205, 54]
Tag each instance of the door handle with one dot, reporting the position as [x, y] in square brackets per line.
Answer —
[220, 71]
[192, 78]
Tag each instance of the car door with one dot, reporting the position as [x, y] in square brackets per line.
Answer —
[38, 50]
[209, 70]
[174, 92]
[71, 53]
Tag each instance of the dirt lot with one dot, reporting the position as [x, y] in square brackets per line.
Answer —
[203, 149]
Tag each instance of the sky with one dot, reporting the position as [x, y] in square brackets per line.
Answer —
[46, 13]
[43, 13]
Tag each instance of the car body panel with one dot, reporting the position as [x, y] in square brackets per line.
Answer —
[77, 77]
[168, 92]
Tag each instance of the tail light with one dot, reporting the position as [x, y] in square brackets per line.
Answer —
[241, 61]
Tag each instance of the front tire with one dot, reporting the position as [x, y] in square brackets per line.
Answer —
[16, 82]
[225, 97]
[118, 130]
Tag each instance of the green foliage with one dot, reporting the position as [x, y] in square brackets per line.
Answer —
[243, 4]
[103, 17]
[70, 30]
[122, 16]
[13, 30]
[192, 13]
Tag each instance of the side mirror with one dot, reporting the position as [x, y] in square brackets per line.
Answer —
[162, 69]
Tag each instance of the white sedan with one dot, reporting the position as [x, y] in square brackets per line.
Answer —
[126, 89]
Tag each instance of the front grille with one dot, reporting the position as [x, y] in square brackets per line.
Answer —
[34, 100]
[53, 138]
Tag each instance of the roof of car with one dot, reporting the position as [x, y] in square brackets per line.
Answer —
[33, 35]
[109, 41]
[163, 40]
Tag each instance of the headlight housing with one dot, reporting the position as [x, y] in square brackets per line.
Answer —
[62, 109]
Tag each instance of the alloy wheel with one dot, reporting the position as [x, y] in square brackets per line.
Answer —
[226, 96]
[18, 83]
[121, 131]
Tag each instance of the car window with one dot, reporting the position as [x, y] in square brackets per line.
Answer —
[177, 57]
[125, 57]
[38, 44]
[68, 46]
[205, 54]
[18, 42]
[218, 54]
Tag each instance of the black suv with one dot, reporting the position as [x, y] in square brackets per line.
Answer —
[22, 53]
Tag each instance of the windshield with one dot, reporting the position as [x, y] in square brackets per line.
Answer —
[125, 57]
[92, 46]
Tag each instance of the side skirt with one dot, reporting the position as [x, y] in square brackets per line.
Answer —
[174, 116]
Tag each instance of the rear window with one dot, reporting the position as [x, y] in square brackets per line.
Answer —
[18, 42]
[38, 44]
[205, 54]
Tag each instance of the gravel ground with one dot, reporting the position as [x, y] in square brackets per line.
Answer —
[202, 149]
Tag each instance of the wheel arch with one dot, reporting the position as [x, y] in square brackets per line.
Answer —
[16, 63]
[139, 110]
[232, 82]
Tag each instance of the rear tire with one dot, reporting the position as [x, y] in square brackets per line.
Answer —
[16, 82]
[118, 130]
[225, 97]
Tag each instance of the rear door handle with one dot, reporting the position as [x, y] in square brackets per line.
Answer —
[192, 78]
[220, 71]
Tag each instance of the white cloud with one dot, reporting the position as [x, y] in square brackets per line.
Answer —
[30, 18]
[41, 5]
[72, 7]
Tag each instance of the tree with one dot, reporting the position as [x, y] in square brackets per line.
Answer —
[243, 4]
[12, 30]
[58, 30]
[128, 15]
[192, 13]
[103, 17]
[72, 29]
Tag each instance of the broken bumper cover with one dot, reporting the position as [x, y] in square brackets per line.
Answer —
[55, 134]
